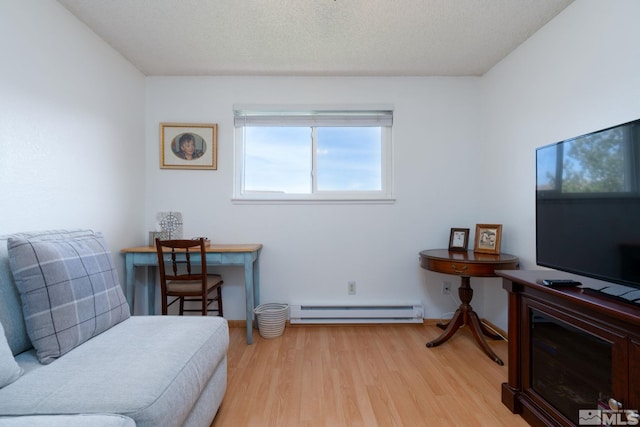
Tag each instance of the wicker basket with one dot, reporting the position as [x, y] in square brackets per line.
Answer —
[271, 318]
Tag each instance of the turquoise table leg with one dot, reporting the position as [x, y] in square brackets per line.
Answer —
[151, 289]
[130, 277]
[256, 279]
[249, 293]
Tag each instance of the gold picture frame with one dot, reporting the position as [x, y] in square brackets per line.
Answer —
[188, 146]
[488, 238]
[459, 239]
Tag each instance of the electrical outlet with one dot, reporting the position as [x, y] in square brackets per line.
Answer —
[446, 288]
[351, 287]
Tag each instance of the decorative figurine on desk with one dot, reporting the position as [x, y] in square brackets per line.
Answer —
[153, 235]
[170, 224]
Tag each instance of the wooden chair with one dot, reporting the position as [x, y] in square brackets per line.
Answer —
[183, 275]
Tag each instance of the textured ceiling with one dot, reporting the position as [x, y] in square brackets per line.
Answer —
[315, 37]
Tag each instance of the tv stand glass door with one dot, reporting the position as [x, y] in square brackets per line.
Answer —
[570, 368]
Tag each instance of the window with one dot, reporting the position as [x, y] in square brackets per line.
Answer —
[313, 155]
[604, 162]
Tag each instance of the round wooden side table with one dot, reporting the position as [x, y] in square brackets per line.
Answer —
[467, 264]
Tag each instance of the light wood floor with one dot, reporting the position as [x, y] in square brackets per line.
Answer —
[368, 376]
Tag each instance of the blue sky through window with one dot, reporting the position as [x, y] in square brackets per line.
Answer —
[349, 159]
[279, 159]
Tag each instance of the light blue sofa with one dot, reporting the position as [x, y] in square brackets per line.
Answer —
[141, 370]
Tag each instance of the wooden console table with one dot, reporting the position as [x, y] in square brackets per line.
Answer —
[466, 265]
[598, 317]
[244, 255]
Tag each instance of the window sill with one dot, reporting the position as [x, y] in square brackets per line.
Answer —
[289, 200]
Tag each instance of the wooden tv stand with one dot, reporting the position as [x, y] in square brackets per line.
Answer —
[616, 323]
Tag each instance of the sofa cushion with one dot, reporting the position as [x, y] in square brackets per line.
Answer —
[9, 369]
[10, 305]
[69, 289]
[150, 368]
[80, 420]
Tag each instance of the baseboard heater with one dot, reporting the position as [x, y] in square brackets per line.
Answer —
[320, 314]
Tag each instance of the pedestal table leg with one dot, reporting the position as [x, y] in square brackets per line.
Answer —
[465, 315]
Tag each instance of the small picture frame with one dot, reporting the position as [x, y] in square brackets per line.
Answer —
[188, 146]
[459, 239]
[488, 238]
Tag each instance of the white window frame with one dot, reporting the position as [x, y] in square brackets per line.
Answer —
[275, 116]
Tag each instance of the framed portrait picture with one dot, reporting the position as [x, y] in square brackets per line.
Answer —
[459, 239]
[488, 237]
[188, 146]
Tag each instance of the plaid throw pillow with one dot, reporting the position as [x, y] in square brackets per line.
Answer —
[69, 289]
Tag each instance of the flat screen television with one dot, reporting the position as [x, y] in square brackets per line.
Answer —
[588, 205]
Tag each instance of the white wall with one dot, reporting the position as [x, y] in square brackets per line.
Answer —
[71, 128]
[312, 251]
[75, 123]
[578, 74]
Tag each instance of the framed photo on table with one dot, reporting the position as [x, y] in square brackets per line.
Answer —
[459, 239]
[188, 146]
[488, 238]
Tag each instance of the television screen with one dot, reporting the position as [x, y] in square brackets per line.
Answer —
[588, 205]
